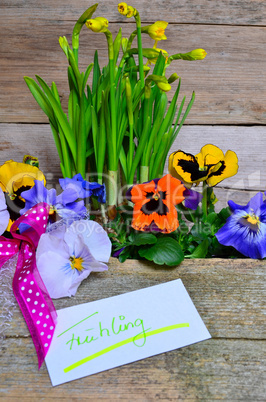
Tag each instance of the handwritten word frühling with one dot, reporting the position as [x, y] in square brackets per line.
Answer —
[117, 325]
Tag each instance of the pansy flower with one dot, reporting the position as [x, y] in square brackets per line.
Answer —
[84, 188]
[154, 204]
[16, 177]
[4, 214]
[245, 229]
[64, 204]
[210, 165]
[68, 255]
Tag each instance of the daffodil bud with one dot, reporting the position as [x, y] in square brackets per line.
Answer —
[98, 24]
[198, 54]
[64, 44]
[164, 86]
[172, 78]
[124, 44]
[160, 81]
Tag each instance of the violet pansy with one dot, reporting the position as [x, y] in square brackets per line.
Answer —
[64, 204]
[84, 188]
[245, 229]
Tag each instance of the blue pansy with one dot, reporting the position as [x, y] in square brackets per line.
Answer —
[64, 204]
[84, 188]
[245, 229]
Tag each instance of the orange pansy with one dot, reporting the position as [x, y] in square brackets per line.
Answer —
[154, 204]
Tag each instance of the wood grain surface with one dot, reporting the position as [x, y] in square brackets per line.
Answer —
[229, 83]
[230, 112]
[230, 297]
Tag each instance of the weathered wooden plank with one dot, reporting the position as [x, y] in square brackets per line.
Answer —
[229, 83]
[229, 294]
[215, 369]
[233, 12]
[248, 142]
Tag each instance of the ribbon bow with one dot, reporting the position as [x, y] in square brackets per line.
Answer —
[28, 287]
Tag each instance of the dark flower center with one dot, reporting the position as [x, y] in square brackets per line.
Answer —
[155, 204]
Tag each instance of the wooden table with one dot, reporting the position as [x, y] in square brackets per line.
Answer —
[230, 112]
[230, 297]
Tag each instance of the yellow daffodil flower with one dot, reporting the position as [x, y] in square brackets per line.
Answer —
[154, 59]
[130, 11]
[126, 10]
[210, 165]
[122, 8]
[98, 24]
[156, 30]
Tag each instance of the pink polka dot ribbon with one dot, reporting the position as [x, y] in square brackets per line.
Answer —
[29, 289]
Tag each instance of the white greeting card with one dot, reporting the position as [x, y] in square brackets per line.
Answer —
[107, 333]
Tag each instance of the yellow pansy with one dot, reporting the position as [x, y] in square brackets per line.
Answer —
[210, 165]
[98, 24]
[16, 177]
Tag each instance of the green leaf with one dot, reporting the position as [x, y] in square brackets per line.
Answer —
[61, 117]
[124, 254]
[41, 99]
[79, 24]
[201, 250]
[165, 251]
[86, 76]
[144, 238]
[96, 73]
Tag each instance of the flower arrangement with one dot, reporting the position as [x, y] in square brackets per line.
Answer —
[113, 145]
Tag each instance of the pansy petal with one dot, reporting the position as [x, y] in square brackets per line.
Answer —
[245, 231]
[56, 274]
[38, 193]
[4, 220]
[94, 236]
[14, 175]
[185, 167]
[192, 198]
[228, 168]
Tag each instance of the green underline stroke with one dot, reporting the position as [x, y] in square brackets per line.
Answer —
[122, 343]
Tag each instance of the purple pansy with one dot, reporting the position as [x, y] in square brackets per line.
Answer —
[84, 188]
[245, 229]
[64, 204]
[192, 198]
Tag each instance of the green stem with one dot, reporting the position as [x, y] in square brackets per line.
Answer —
[204, 204]
[141, 71]
[112, 187]
[113, 163]
[144, 174]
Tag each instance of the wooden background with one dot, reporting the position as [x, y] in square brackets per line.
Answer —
[230, 112]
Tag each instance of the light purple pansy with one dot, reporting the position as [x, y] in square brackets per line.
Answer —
[4, 214]
[68, 255]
